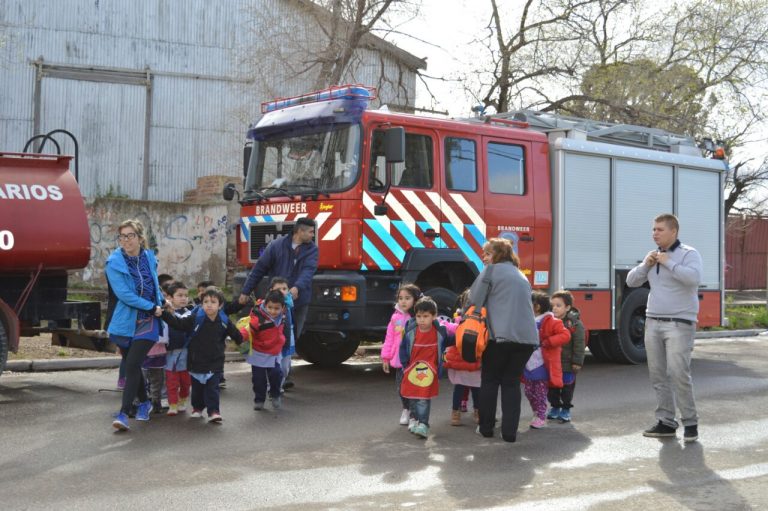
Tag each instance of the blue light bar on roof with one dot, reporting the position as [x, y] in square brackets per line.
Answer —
[355, 92]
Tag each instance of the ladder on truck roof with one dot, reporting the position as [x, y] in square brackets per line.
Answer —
[597, 131]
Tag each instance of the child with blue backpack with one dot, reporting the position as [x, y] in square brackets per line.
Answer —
[209, 328]
[177, 379]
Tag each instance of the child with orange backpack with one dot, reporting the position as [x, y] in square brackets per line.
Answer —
[265, 336]
[544, 368]
[464, 375]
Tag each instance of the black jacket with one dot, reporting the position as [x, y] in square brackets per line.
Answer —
[206, 347]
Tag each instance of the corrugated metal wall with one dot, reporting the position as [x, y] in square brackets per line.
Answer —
[746, 253]
[202, 94]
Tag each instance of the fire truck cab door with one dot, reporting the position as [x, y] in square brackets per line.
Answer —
[509, 196]
[413, 202]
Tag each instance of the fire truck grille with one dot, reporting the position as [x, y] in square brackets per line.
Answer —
[262, 234]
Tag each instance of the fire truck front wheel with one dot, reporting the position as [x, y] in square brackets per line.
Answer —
[326, 349]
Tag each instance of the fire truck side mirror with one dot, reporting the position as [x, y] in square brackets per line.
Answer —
[394, 145]
[246, 157]
[228, 193]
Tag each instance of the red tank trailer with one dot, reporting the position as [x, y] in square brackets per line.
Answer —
[43, 234]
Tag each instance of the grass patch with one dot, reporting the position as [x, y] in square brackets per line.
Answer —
[747, 317]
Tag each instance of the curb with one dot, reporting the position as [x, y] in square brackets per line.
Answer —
[73, 364]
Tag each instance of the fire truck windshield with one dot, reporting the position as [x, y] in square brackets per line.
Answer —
[323, 161]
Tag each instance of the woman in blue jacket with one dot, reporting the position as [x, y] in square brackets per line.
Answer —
[134, 324]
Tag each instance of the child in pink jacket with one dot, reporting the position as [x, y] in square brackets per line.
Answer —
[407, 294]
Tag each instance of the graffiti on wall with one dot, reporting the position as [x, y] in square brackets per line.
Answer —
[189, 240]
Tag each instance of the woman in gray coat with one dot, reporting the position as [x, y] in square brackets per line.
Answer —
[512, 335]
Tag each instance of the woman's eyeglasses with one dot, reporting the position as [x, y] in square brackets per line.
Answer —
[126, 237]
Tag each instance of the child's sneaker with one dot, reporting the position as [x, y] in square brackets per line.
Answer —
[120, 422]
[121, 384]
[277, 402]
[455, 418]
[157, 407]
[421, 430]
[463, 407]
[404, 416]
[172, 410]
[143, 411]
[554, 413]
[215, 417]
[565, 415]
[259, 405]
[182, 406]
[412, 423]
[196, 414]
[223, 383]
[537, 423]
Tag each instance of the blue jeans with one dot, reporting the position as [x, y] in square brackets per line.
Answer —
[669, 346]
[458, 393]
[398, 381]
[420, 410]
[206, 395]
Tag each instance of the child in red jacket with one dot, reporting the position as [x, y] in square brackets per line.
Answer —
[544, 368]
[265, 331]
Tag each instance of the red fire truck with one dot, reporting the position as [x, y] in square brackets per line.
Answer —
[398, 197]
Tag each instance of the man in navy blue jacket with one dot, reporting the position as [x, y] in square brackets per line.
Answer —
[291, 257]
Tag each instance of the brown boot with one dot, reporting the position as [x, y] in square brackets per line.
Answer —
[455, 418]
[477, 416]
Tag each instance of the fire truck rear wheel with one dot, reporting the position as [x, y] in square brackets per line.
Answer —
[320, 350]
[3, 346]
[630, 348]
[445, 299]
[597, 345]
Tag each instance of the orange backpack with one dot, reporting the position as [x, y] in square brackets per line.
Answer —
[473, 332]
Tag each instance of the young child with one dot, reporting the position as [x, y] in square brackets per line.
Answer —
[177, 377]
[572, 357]
[465, 376]
[289, 348]
[543, 368]
[407, 294]
[154, 366]
[201, 287]
[421, 355]
[265, 333]
[209, 327]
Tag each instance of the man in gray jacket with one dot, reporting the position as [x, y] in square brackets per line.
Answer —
[673, 272]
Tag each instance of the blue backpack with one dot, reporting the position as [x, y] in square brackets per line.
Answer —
[200, 317]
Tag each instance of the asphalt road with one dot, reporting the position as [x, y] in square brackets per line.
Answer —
[336, 444]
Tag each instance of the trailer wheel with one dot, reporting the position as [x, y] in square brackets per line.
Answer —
[325, 350]
[446, 301]
[630, 348]
[3, 347]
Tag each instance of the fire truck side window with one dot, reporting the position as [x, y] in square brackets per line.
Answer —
[506, 169]
[415, 172]
[460, 164]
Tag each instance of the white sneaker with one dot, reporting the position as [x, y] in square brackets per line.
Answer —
[412, 423]
[196, 414]
[182, 406]
[404, 417]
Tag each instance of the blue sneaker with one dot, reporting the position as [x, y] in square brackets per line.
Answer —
[565, 415]
[143, 410]
[554, 413]
[120, 423]
[421, 430]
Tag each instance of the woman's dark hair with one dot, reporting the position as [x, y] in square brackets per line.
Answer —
[274, 297]
[542, 300]
[425, 304]
[213, 292]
